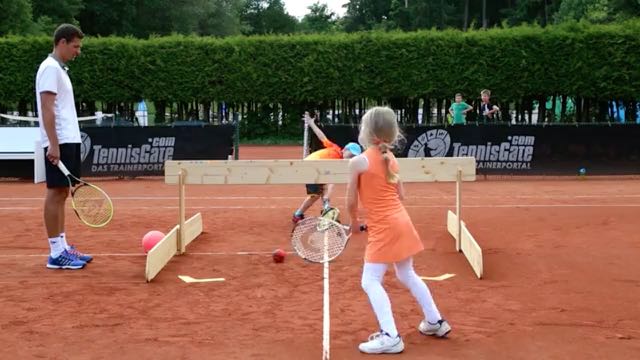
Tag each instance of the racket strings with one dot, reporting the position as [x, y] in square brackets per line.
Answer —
[319, 243]
[92, 205]
[327, 218]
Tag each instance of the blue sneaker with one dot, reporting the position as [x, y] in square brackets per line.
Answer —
[65, 261]
[82, 257]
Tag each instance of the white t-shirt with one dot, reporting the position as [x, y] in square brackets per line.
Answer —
[53, 78]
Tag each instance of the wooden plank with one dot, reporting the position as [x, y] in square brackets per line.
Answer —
[181, 211]
[452, 226]
[458, 207]
[192, 228]
[468, 244]
[161, 254]
[471, 251]
[309, 171]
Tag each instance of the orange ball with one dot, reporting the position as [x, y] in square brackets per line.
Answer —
[150, 239]
[279, 255]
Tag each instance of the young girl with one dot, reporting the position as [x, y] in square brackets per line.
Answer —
[373, 177]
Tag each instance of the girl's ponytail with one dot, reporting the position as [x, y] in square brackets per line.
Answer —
[392, 177]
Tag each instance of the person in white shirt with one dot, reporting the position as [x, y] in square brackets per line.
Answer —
[61, 140]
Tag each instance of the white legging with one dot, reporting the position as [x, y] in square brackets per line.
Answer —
[372, 275]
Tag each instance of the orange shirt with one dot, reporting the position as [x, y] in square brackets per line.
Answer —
[391, 234]
[330, 151]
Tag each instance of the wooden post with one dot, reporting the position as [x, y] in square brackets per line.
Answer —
[181, 212]
[459, 207]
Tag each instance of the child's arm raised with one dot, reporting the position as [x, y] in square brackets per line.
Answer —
[312, 124]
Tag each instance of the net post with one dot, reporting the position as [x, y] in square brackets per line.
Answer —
[305, 140]
[459, 207]
[181, 212]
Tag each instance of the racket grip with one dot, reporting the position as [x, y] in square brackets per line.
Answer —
[63, 168]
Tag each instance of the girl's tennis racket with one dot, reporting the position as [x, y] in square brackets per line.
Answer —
[318, 239]
[90, 203]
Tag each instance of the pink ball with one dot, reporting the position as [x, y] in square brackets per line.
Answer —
[150, 240]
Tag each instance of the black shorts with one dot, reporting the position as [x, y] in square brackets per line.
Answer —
[70, 156]
[315, 189]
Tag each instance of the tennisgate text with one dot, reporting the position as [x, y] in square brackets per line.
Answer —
[146, 157]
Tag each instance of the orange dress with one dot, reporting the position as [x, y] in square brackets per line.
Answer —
[392, 236]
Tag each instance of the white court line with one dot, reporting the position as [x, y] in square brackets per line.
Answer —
[488, 206]
[223, 253]
[160, 198]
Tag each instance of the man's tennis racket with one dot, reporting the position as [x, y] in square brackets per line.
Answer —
[90, 203]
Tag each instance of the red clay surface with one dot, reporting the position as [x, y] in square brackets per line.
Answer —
[561, 276]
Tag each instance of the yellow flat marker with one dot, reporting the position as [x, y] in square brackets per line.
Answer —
[189, 279]
[438, 278]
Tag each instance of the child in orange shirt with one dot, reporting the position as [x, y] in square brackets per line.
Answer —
[374, 180]
[330, 151]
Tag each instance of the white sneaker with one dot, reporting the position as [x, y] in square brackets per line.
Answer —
[382, 343]
[439, 329]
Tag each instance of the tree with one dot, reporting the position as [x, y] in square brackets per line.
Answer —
[266, 17]
[16, 17]
[220, 18]
[277, 20]
[597, 11]
[59, 11]
[529, 11]
[424, 14]
[143, 18]
[366, 14]
[116, 17]
[319, 19]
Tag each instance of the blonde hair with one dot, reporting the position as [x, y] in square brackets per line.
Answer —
[379, 127]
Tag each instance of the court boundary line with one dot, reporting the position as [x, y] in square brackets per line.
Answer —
[418, 197]
[263, 207]
[219, 253]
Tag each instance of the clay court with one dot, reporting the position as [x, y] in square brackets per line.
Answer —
[560, 275]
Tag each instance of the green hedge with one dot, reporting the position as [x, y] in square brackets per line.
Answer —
[598, 61]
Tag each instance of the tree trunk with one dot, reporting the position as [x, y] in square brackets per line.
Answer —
[587, 110]
[160, 111]
[334, 109]
[442, 15]
[578, 106]
[632, 111]
[426, 111]
[414, 111]
[546, 14]
[22, 108]
[447, 105]
[484, 14]
[542, 109]
[466, 16]
[206, 109]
